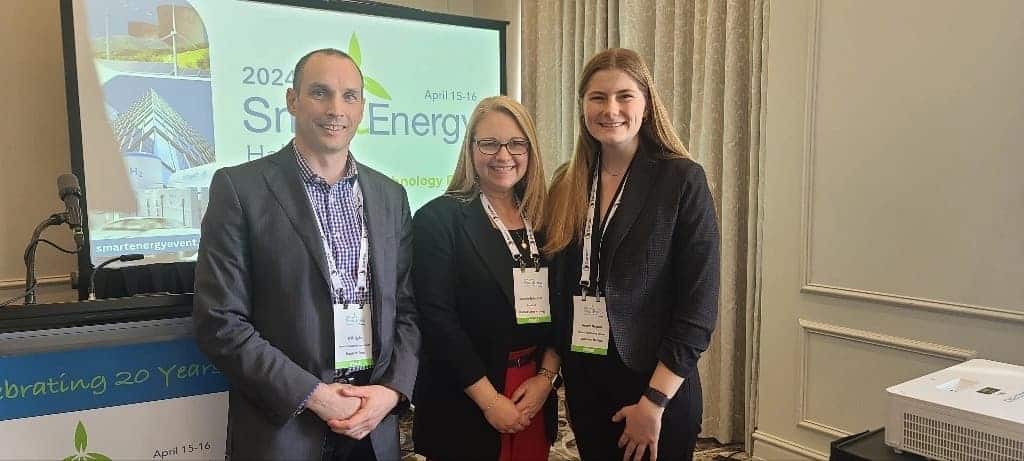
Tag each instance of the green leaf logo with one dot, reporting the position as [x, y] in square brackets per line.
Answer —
[81, 438]
[371, 85]
[81, 444]
[375, 88]
[353, 50]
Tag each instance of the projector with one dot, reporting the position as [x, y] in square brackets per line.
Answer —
[973, 411]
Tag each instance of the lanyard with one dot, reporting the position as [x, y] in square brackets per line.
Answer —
[516, 254]
[589, 229]
[364, 245]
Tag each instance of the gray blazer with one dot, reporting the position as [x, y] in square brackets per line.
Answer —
[263, 308]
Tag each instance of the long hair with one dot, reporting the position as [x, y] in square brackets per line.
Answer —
[532, 189]
[567, 203]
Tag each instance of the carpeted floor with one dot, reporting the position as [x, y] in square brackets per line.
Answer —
[565, 446]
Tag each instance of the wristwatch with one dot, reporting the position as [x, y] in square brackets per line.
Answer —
[556, 379]
[658, 398]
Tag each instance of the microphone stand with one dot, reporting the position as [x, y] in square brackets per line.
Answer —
[121, 258]
[55, 219]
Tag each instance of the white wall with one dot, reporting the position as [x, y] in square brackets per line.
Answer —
[892, 207]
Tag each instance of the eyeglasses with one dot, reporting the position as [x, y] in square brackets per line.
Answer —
[491, 146]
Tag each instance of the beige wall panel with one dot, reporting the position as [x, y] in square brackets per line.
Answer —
[777, 407]
[440, 6]
[507, 10]
[845, 372]
[860, 152]
[824, 377]
[33, 137]
[50, 290]
[459, 7]
[463, 7]
[916, 151]
[770, 447]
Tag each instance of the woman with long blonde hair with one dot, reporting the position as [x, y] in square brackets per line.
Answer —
[633, 225]
[488, 365]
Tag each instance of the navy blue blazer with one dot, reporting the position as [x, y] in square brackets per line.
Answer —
[659, 265]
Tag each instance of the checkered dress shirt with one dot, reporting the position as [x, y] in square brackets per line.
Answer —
[339, 213]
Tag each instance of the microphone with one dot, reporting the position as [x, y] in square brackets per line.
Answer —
[92, 277]
[71, 194]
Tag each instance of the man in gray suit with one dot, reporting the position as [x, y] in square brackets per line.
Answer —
[303, 292]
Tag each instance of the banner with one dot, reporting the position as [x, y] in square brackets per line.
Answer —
[161, 400]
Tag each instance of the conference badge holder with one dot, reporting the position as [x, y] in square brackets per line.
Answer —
[353, 336]
[590, 328]
[529, 285]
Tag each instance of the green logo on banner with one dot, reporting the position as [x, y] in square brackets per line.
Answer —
[371, 85]
[81, 444]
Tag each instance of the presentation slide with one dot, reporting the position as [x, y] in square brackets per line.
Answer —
[171, 90]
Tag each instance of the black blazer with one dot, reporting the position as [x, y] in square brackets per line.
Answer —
[462, 274]
[262, 309]
[659, 265]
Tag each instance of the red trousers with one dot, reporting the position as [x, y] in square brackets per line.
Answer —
[532, 443]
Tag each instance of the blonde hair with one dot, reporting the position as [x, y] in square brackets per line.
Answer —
[532, 189]
[567, 204]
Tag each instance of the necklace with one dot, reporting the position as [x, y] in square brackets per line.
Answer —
[519, 236]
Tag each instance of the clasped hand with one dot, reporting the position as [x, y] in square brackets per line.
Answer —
[355, 411]
[511, 415]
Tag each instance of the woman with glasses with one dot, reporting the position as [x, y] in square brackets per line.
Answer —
[632, 219]
[488, 365]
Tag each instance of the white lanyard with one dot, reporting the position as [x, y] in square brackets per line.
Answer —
[496, 220]
[589, 229]
[364, 247]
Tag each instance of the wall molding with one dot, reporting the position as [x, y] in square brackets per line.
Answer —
[821, 428]
[809, 327]
[807, 218]
[43, 281]
[792, 447]
[755, 259]
[945, 307]
[810, 116]
[888, 341]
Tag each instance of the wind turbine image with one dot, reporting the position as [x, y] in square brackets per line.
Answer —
[106, 30]
[173, 35]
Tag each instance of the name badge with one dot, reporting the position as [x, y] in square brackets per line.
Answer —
[589, 325]
[530, 288]
[353, 336]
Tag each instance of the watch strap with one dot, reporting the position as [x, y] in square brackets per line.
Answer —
[658, 398]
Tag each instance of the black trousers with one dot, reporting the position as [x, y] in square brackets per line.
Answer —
[596, 387]
[342, 448]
